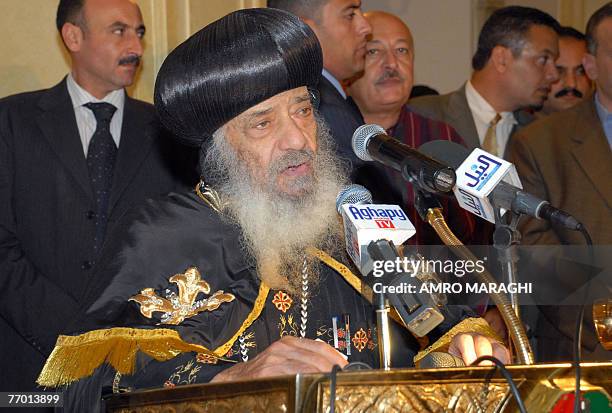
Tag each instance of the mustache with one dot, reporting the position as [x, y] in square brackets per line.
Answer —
[390, 74]
[130, 60]
[567, 91]
[292, 158]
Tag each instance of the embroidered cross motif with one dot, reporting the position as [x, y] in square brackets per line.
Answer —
[282, 301]
[360, 339]
[206, 358]
[175, 308]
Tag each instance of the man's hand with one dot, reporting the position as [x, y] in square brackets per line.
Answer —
[471, 346]
[495, 320]
[289, 355]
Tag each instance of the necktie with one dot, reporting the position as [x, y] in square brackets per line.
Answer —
[101, 156]
[490, 141]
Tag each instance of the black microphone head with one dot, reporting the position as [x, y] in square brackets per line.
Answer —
[353, 194]
[447, 152]
[361, 137]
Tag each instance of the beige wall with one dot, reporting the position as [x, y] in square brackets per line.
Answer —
[32, 52]
[33, 56]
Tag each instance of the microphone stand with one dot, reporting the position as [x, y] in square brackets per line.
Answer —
[505, 239]
[430, 210]
[383, 331]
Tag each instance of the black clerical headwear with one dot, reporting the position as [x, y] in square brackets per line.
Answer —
[232, 65]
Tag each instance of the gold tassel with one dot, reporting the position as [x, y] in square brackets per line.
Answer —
[75, 357]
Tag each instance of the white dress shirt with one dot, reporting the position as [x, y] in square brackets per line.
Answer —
[86, 121]
[334, 82]
[483, 113]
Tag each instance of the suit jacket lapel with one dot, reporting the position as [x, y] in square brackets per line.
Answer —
[330, 94]
[58, 125]
[134, 146]
[592, 151]
[461, 116]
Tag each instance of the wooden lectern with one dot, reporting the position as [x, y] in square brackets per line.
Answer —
[465, 389]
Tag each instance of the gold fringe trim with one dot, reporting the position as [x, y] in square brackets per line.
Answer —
[468, 325]
[260, 303]
[75, 357]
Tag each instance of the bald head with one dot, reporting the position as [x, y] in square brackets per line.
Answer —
[387, 79]
[382, 21]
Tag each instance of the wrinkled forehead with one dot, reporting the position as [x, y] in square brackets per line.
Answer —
[388, 28]
[281, 102]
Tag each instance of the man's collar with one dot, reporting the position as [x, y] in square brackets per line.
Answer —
[334, 82]
[479, 104]
[601, 109]
[80, 96]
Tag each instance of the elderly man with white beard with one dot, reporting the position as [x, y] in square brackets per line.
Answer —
[237, 279]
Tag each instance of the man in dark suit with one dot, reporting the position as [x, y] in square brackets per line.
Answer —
[566, 158]
[514, 67]
[73, 159]
[342, 31]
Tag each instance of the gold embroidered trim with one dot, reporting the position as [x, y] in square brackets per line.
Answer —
[75, 357]
[206, 358]
[260, 302]
[343, 270]
[468, 325]
[209, 195]
[175, 308]
[354, 281]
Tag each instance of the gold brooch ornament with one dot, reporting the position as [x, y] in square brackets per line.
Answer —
[176, 308]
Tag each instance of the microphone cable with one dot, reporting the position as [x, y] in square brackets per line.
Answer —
[506, 374]
[333, 377]
[579, 320]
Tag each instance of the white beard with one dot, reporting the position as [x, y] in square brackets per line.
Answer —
[277, 228]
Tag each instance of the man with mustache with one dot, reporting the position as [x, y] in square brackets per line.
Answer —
[381, 92]
[259, 241]
[342, 31]
[73, 159]
[573, 83]
[514, 68]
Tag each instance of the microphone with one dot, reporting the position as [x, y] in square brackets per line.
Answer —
[371, 143]
[365, 222]
[352, 194]
[482, 184]
[371, 233]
